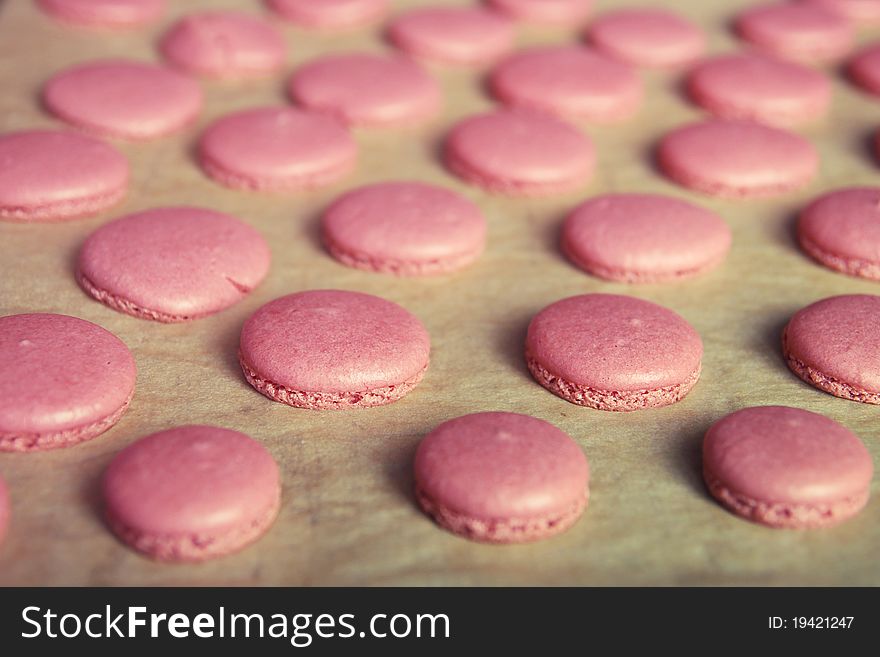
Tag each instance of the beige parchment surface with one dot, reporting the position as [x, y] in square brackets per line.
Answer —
[348, 516]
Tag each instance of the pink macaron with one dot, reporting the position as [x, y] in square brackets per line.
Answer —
[367, 90]
[760, 88]
[613, 353]
[52, 175]
[834, 345]
[737, 159]
[124, 98]
[404, 228]
[569, 81]
[5, 510]
[860, 12]
[520, 152]
[651, 38]
[224, 44]
[841, 230]
[644, 238]
[545, 12]
[786, 467]
[330, 15]
[501, 478]
[172, 264]
[463, 36]
[104, 13]
[191, 493]
[276, 149]
[864, 69]
[332, 349]
[63, 381]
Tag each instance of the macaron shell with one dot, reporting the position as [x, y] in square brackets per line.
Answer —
[173, 264]
[5, 510]
[864, 69]
[330, 14]
[862, 12]
[545, 12]
[104, 13]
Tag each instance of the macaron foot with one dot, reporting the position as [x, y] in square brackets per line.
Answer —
[824, 382]
[850, 266]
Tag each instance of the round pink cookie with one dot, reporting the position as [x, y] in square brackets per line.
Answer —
[760, 88]
[501, 478]
[613, 353]
[864, 69]
[50, 175]
[644, 238]
[865, 12]
[785, 467]
[404, 228]
[796, 30]
[224, 44]
[331, 349]
[737, 159]
[172, 264]
[126, 99]
[834, 345]
[470, 36]
[276, 148]
[63, 381]
[367, 90]
[545, 12]
[569, 81]
[191, 493]
[520, 152]
[652, 38]
[104, 13]
[330, 15]
[5, 511]
[841, 230]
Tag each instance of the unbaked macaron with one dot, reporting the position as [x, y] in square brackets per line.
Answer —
[760, 88]
[333, 349]
[275, 149]
[51, 175]
[103, 13]
[737, 159]
[404, 228]
[864, 69]
[520, 152]
[123, 98]
[834, 345]
[63, 381]
[5, 510]
[191, 493]
[613, 353]
[369, 90]
[330, 15]
[501, 478]
[569, 81]
[464, 36]
[644, 238]
[545, 12]
[786, 467]
[224, 44]
[172, 264]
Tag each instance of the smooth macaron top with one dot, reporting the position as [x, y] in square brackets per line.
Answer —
[844, 223]
[865, 12]
[777, 454]
[334, 341]
[611, 342]
[501, 466]
[179, 261]
[123, 98]
[839, 337]
[104, 13]
[60, 373]
[545, 12]
[193, 481]
[329, 14]
[5, 511]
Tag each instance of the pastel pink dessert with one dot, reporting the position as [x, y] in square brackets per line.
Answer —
[172, 264]
[613, 353]
[519, 152]
[760, 88]
[5, 511]
[191, 493]
[864, 69]
[330, 15]
[276, 149]
[866, 12]
[545, 12]
[834, 345]
[652, 38]
[501, 478]
[569, 81]
[786, 467]
[367, 90]
[53, 175]
[104, 13]
[404, 228]
[644, 238]
[224, 44]
[332, 349]
[125, 99]
[841, 230]
[737, 159]
[63, 381]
